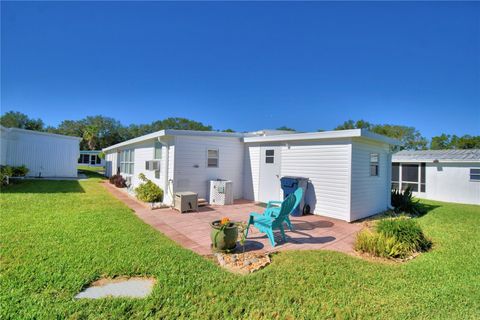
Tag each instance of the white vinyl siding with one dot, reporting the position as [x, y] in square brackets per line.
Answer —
[43, 154]
[251, 172]
[327, 165]
[369, 194]
[191, 171]
[451, 182]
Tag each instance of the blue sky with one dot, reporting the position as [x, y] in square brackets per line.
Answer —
[244, 65]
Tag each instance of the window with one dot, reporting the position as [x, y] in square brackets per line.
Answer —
[99, 160]
[93, 159]
[422, 177]
[411, 175]
[158, 150]
[269, 156]
[212, 158]
[474, 174]
[374, 164]
[127, 159]
[395, 176]
[84, 158]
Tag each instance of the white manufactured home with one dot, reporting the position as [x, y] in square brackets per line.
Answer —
[44, 154]
[348, 171]
[443, 175]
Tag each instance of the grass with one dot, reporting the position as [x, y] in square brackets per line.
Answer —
[58, 236]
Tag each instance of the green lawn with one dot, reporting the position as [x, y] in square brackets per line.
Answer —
[58, 236]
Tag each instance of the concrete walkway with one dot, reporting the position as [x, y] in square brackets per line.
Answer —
[192, 230]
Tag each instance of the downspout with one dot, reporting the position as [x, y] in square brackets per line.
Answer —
[166, 181]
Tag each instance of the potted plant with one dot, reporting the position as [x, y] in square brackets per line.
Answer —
[224, 235]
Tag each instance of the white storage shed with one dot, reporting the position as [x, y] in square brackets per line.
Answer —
[44, 154]
[443, 175]
[349, 170]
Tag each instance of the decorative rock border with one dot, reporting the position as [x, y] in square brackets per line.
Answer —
[243, 263]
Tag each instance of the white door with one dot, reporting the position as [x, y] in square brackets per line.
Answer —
[270, 174]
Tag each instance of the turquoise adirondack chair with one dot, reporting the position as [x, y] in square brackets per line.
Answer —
[268, 224]
[273, 207]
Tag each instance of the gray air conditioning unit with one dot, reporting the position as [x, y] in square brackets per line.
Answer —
[152, 165]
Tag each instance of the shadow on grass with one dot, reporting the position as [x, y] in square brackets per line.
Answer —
[43, 186]
[91, 174]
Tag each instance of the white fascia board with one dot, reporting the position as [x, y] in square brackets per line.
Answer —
[440, 161]
[41, 133]
[149, 136]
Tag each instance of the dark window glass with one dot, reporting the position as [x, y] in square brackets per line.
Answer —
[99, 160]
[422, 172]
[410, 172]
[422, 187]
[475, 174]
[269, 160]
[395, 186]
[270, 153]
[157, 174]
[395, 171]
[374, 169]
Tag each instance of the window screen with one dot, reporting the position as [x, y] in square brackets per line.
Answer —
[374, 164]
[395, 172]
[422, 177]
[269, 156]
[410, 172]
[475, 174]
[212, 158]
[158, 150]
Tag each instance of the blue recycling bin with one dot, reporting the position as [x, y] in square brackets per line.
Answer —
[289, 184]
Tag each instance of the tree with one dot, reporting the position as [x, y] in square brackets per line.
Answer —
[350, 124]
[14, 119]
[285, 128]
[441, 142]
[446, 141]
[228, 130]
[409, 137]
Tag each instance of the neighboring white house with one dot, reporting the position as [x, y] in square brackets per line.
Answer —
[91, 158]
[44, 154]
[443, 175]
[349, 170]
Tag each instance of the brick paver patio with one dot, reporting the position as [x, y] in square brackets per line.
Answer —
[192, 230]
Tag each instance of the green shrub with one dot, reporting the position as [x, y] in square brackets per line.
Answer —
[5, 172]
[148, 191]
[20, 171]
[405, 202]
[407, 231]
[393, 238]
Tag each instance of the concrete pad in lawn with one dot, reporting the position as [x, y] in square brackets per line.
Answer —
[119, 288]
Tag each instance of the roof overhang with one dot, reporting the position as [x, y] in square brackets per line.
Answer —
[337, 134]
[172, 132]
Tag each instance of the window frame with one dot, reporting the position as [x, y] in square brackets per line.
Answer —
[476, 174]
[270, 156]
[127, 162]
[374, 164]
[217, 158]
[421, 183]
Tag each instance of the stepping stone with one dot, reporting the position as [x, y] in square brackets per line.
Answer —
[120, 288]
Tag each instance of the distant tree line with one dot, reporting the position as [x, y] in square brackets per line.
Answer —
[98, 132]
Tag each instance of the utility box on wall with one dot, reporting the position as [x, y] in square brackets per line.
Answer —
[221, 192]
